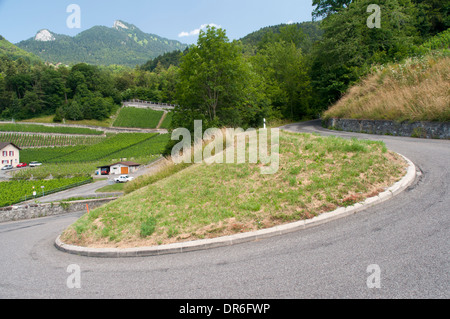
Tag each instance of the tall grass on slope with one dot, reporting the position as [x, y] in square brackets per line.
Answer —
[417, 89]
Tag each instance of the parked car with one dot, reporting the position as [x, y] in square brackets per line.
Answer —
[4, 168]
[34, 164]
[22, 165]
[123, 179]
[104, 172]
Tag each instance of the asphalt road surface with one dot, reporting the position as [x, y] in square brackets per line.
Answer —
[398, 249]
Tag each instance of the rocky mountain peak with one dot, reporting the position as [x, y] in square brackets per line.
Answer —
[119, 25]
[44, 35]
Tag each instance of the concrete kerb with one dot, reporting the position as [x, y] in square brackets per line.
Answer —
[202, 244]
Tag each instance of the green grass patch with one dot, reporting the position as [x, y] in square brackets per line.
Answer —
[138, 118]
[316, 174]
[167, 121]
[113, 188]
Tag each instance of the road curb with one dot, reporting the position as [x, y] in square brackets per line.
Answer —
[202, 244]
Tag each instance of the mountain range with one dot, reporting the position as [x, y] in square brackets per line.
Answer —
[125, 44]
[121, 44]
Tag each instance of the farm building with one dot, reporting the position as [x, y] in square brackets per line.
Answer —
[9, 154]
[118, 168]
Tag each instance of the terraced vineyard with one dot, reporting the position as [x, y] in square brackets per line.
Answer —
[47, 154]
[32, 128]
[114, 147]
[151, 146]
[139, 118]
[25, 140]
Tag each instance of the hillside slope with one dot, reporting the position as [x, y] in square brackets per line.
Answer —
[416, 89]
[310, 29]
[14, 53]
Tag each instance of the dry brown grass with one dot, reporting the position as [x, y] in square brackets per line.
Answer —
[415, 90]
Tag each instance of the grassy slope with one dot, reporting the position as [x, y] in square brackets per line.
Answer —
[316, 175]
[414, 90]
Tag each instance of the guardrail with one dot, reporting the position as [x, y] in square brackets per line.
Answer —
[149, 103]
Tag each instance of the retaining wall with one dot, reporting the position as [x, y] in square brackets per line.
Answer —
[19, 212]
[440, 130]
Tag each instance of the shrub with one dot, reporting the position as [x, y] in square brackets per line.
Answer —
[148, 226]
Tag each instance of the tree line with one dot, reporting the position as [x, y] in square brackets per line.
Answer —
[79, 92]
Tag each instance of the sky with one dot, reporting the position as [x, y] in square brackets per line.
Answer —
[173, 19]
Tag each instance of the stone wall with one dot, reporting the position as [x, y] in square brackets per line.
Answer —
[20, 212]
[439, 130]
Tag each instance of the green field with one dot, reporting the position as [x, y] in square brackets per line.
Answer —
[138, 118]
[14, 191]
[33, 128]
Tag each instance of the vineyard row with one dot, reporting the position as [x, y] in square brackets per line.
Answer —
[39, 140]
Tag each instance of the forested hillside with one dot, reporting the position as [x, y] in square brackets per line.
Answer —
[13, 52]
[80, 92]
[123, 44]
[307, 33]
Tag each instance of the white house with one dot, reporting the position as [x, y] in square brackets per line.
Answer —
[9, 154]
[119, 168]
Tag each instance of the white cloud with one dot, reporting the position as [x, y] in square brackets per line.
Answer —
[183, 34]
[290, 22]
[197, 31]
